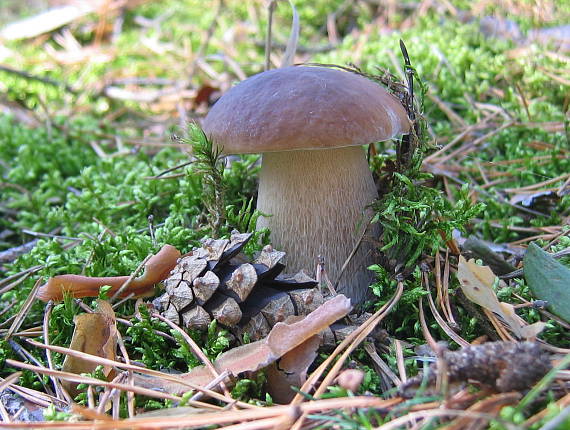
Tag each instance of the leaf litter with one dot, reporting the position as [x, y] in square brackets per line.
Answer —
[477, 408]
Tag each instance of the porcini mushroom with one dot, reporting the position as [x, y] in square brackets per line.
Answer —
[310, 124]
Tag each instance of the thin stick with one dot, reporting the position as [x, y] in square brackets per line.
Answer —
[15, 283]
[130, 378]
[130, 279]
[19, 274]
[4, 383]
[29, 76]
[458, 339]
[400, 360]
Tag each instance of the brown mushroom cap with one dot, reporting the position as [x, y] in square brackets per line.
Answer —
[294, 108]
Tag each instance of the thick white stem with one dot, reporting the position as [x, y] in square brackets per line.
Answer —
[318, 202]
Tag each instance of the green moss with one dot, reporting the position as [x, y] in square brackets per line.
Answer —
[52, 180]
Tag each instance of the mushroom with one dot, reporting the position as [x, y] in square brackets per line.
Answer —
[315, 183]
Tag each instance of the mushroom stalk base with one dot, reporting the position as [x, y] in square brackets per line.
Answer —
[318, 201]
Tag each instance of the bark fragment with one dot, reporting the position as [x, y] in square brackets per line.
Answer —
[502, 366]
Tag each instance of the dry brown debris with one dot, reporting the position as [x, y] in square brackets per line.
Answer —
[502, 366]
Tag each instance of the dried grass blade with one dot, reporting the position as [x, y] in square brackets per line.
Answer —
[142, 370]
[400, 361]
[61, 393]
[385, 369]
[560, 403]
[448, 330]
[9, 380]
[348, 344]
[92, 381]
[491, 405]
[397, 423]
[24, 310]
[217, 418]
[290, 51]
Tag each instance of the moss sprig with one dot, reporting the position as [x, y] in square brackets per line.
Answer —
[209, 165]
[413, 214]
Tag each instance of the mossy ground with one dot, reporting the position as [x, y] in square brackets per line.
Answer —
[81, 174]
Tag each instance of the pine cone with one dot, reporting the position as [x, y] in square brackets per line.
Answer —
[216, 281]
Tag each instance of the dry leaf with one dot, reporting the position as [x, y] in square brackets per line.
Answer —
[291, 369]
[477, 285]
[95, 334]
[157, 269]
[283, 338]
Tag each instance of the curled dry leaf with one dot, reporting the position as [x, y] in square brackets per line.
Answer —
[96, 334]
[291, 369]
[157, 269]
[477, 285]
[254, 356]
